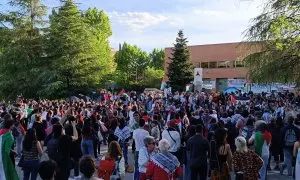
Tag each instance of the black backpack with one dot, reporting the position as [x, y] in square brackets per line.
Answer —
[53, 149]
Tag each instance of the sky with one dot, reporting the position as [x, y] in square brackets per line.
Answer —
[153, 24]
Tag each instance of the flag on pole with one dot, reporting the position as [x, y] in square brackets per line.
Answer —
[7, 169]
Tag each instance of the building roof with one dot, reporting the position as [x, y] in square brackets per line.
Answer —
[217, 52]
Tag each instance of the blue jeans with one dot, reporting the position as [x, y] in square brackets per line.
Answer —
[87, 147]
[136, 169]
[30, 169]
[288, 159]
[263, 170]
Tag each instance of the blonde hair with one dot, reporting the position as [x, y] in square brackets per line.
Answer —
[241, 144]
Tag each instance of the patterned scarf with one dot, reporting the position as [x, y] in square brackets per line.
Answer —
[166, 161]
[122, 134]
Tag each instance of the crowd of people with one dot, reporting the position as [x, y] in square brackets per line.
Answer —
[172, 136]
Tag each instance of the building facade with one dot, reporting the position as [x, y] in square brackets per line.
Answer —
[222, 63]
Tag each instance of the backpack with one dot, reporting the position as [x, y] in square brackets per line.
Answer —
[290, 138]
[53, 149]
[106, 168]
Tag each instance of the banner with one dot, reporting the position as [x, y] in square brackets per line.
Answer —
[209, 84]
[237, 83]
[198, 73]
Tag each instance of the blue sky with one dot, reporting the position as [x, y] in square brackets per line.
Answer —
[154, 23]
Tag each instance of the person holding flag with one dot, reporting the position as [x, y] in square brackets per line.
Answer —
[7, 169]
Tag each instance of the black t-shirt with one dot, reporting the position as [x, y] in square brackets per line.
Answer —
[40, 130]
[65, 145]
[198, 146]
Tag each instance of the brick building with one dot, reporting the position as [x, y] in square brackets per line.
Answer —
[220, 62]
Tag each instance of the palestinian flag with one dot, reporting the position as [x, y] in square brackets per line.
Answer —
[7, 169]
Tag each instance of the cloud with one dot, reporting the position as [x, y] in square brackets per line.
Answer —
[137, 21]
[214, 21]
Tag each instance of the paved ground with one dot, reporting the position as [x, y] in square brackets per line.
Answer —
[273, 175]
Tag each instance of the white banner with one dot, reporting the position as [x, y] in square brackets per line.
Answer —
[237, 83]
[209, 84]
[198, 73]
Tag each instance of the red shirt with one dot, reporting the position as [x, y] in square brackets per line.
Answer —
[157, 173]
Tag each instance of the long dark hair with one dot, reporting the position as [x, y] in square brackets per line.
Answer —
[29, 138]
[220, 136]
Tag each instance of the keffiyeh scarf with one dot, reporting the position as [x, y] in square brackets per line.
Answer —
[167, 161]
[122, 134]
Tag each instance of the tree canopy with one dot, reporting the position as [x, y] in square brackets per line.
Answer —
[180, 70]
[21, 48]
[276, 32]
[135, 68]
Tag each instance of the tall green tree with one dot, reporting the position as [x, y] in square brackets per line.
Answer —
[22, 48]
[99, 24]
[131, 65]
[77, 49]
[180, 70]
[277, 33]
[157, 57]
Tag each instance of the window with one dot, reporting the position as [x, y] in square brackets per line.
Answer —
[213, 65]
[230, 64]
[204, 65]
[222, 64]
[239, 64]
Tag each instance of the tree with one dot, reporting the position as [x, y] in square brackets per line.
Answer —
[180, 70]
[78, 50]
[131, 65]
[22, 48]
[157, 57]
[153, 77]
[276, 32]
[99, 24]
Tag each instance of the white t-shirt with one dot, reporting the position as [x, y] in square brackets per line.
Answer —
[139, 136]
[174, 146]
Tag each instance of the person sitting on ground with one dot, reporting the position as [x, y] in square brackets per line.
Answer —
[47, 170]
[87, 168]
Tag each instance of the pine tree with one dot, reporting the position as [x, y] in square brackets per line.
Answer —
[180, 70]
[73, 50]
[21, 48]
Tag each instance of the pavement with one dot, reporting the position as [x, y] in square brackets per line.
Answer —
[272, 175]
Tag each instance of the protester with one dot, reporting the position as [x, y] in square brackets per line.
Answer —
[87, 144]
[47, 170]
[138, 136]
[122, 133]
[87, 168]
[145, 154]
[31, 149]
[276, 149]
[289, 135]
[114, 156]
[224, 155]
[7, 169]
[163, 165]
[246, 163]
[262, 142]
[197, 147]
[172, 135]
